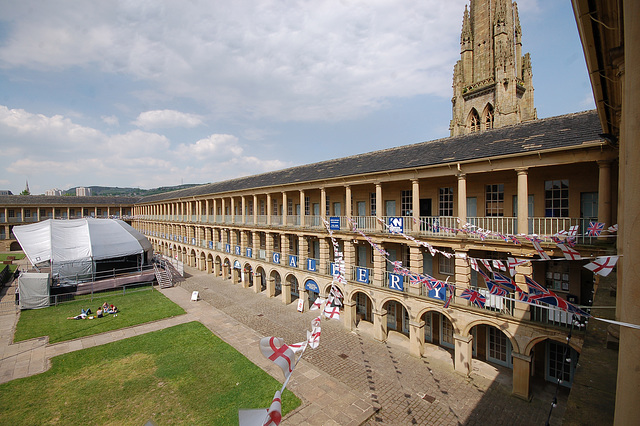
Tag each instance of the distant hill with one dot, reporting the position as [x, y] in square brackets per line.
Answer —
[128, 192]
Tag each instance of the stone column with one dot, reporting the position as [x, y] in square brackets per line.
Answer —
[604, 192]
[257, 282]
[224, 211]
[463, 354]
[523, 201]
[521, 310]
[462, 198]
[521, 375]
[284, 208]
[347, 202]
[271, 287]
[303, 252]
[255, 209]
[415, 265]
[323, 203]
[462, 276]
[325, 256]
[379, 267]
[269, 212]
[243, 208]
[349, 314]
[302, 209]
[416, 338]
[415, 204]
[349, 258]
[256, 243]
[380, 325]
[379, 206]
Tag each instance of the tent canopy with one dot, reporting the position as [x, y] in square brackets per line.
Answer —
[79, 241]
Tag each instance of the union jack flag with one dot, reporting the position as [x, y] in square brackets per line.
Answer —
[432, 283]
[504, 281]
[534, 287]
[496, 289]
[595, 228]
[415, 279]
[474, 297]
[551, 299]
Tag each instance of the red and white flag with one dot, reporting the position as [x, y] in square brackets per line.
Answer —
[573, 230]
[297, 347]
[317, 303]
[487, 264]
[274, 414]
[602, 265]
[313, 337]
[473, 263]
[569, 253]
[613, 228]
[277, 351]
[513, 262]
[331, 312]
[541, 252]
[499, 265]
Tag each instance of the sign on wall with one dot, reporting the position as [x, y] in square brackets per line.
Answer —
[395, 225]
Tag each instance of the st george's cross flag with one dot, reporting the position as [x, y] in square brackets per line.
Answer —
[474, 297]
[569, 253]
[486, 264]
[513, 262]
[317, 303]
[573, 230]
[603, 265]
[331, 312]
[595, 228]
[274, 414]
[540, 250]
[613, 228]
[499, 265]
[473, 263]
[277, 351]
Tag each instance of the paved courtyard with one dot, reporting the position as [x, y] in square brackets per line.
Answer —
[349, 379]
[404, 390]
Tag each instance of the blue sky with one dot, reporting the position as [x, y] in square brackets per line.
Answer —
[158, 93]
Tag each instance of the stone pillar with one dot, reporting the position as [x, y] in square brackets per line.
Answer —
[416, 338]
[463, 354]
[302, 209]
[379, 206]
[323, 203]
[255, 209]
[462, 199]
[379, 267]
[347, 201]
[269, 245]
[523, 201]
[415, 263]
[415, 204]
[286, 292]
[257, 283]
[462, 276]
[604, 192]
[271, 287]
[380, 325]
[521, 310]
[521, 375]
[215, 210]
[243, 209]
[325, 250]
[284, 208]
[303, 252]
[269, 212]
[349, 314]
[209, 265]
[349, 258]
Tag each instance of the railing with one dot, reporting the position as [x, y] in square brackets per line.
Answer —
[358, 276]
[405, 282]
[293, 220]
[496, 303]
[550, 315]
[502, 225]
[262, 219]
[276, 220]
[262, 254]
[313, 222]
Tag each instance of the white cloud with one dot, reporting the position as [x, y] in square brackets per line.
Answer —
[213, 147]
[111, 120]
[285, 61]
[167, 118]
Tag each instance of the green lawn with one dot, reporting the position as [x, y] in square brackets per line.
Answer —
[183, 374]
[17, 256]
[135, 307]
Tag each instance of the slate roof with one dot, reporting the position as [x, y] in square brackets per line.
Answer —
[56, 200]
[540, 135]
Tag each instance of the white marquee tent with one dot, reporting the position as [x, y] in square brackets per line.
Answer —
[74, 247]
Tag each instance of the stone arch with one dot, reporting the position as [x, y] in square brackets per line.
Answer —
[248, 272]
[560, 339]
[487, 117]
[292, 279]
[277, 282]
[209, 263]
[364, 305]
[485, 321]
[473, 121]
[226, 268]
[261, 279]
[395, 317]
[217, 267]
[15, 246]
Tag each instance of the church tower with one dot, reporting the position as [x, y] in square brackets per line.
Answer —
[492, 81]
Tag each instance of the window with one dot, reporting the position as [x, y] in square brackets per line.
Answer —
[488, 117]
[446, 265]
[289, 206]
[499, 347]
[12, 213]
[274, 210]
[494, 200]
[446, 332]
[250, 208]
[557, 277]
[474, 121]
[556, 198]
[27, 212]
[428, 333]
[328, 206]
[557, 365]
[445, 202]
[262, 213]
[406, 203]
[372, 203]
[307, 206]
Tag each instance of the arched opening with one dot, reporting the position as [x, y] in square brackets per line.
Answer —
[226, 269]
[15, 246]
[487, 117]
[312, 290]
[491, 345]
[295, 291]
[277, 281]
[552, 361]
[237, 272]
[397, 317]
[364, 307]
[202, 263]
[248, 275]
[261, 277]
[438, 329]
[473, 121]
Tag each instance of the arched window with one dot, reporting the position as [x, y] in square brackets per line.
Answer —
[474, 121]
[488, 117]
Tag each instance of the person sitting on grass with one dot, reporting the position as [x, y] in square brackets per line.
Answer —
[105, 307]
[113, 309]
[99, 312]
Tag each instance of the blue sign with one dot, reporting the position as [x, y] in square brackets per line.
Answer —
[293, 261]
[395, 225]
[238, 250]
[335, 269]
[227, 248]
[312, 286]
[311, 265]
[275, 257]
[362, 275]
[396, 282]
[211, 245]
[249, 251]
[193, 241]
[438, 293]
[334, 223]
[236, 265]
